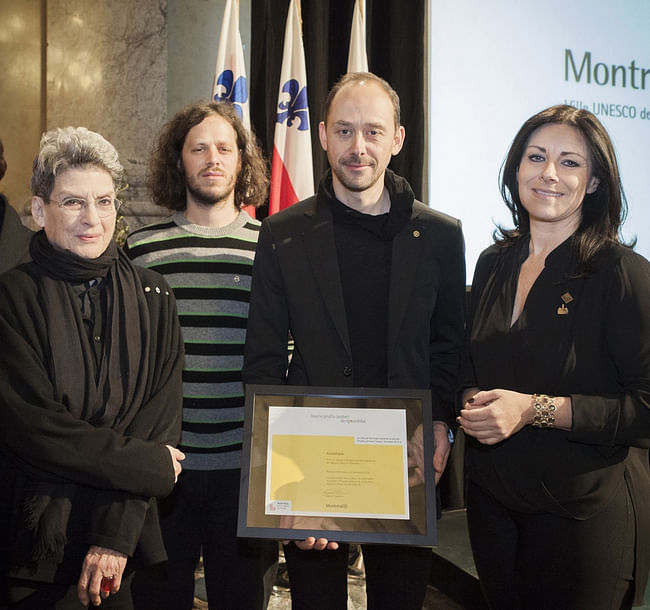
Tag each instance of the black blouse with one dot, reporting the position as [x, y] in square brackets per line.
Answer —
[583, 337]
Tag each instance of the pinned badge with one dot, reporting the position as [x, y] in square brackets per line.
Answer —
[562, 310]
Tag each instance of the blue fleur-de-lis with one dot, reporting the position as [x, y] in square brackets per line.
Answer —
[295, 107]
[234, 92]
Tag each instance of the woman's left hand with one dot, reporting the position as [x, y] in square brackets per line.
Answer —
[492, 416]
[100, 563]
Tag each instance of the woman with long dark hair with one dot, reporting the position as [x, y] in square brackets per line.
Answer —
[557, 378]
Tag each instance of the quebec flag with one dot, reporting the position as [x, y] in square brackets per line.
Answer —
[292, 176]
[230, 84]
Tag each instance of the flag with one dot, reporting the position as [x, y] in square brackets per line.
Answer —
[230, 84]
[357, 56]
[292, 176]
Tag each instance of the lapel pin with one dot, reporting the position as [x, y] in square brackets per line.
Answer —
[562, 309]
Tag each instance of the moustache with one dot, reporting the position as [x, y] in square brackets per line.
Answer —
[356, 160]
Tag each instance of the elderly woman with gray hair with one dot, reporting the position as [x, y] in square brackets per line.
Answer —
[90, 392]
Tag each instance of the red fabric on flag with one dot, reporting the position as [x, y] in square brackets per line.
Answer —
[292, 177]
[282, 194]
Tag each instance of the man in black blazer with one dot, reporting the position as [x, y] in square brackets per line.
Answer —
[370, 283]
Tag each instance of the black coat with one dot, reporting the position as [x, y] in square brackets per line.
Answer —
[296, 287]
[116, 474]
[14, 237]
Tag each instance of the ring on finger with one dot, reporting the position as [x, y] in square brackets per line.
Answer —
[107, 584]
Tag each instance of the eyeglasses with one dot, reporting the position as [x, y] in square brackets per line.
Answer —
[105, 206]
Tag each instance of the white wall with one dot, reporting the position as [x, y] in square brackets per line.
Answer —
[494, 64]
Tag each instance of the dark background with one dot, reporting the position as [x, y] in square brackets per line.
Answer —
[393, 54]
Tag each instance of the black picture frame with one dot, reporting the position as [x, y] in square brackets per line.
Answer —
[254, 522]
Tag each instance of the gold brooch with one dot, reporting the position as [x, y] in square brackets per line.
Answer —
[566, 299]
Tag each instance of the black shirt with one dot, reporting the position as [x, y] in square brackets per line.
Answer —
[364, 252]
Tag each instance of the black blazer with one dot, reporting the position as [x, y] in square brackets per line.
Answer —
[296, 287]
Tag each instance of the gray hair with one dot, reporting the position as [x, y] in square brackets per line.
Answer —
[73, 147]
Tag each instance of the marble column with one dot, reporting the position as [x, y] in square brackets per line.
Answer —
[118, 67]
[107, 71]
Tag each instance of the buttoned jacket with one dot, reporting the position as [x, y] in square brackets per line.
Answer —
[296, 289]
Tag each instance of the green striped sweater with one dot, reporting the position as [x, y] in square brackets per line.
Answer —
[209, 270]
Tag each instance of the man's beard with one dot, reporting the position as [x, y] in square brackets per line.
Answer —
[209, 197]
[351, 184]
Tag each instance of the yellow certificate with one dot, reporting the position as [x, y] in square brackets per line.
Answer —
[345, 462]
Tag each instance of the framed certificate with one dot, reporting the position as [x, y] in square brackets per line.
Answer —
[347, 464]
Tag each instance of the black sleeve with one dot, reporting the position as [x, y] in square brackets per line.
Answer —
[265, 359]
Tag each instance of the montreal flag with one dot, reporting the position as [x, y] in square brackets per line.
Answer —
[292, 177]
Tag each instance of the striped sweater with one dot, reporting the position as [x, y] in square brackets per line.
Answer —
[209, 270]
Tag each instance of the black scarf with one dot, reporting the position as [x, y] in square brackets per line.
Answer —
[106, 398]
